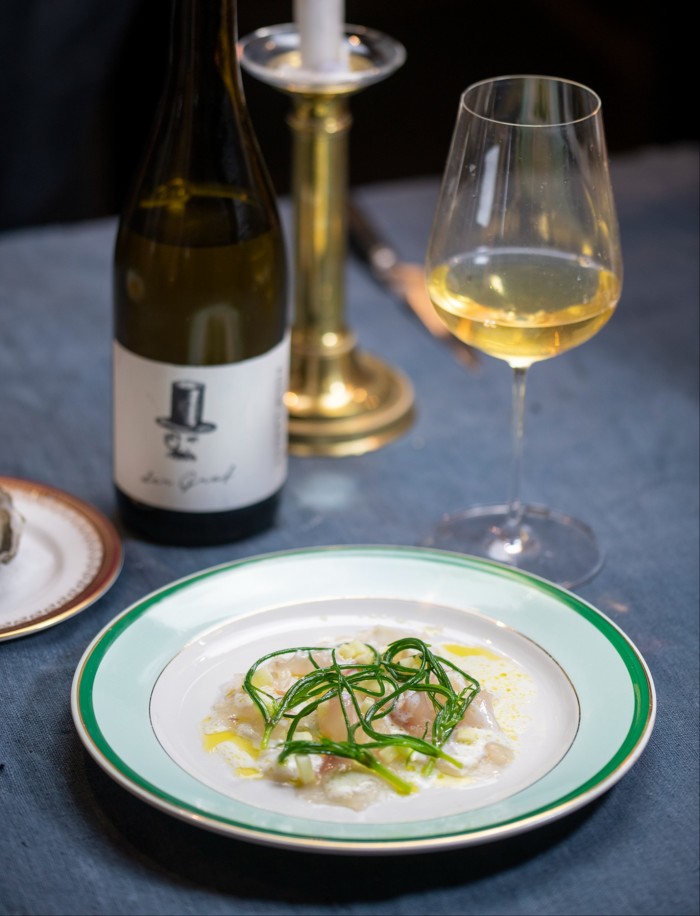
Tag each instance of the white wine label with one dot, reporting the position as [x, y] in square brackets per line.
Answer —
[200, 438]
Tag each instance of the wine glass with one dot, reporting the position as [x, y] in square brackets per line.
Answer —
[524, 263]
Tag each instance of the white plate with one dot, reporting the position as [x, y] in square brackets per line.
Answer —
[145, 684]
[69, 555]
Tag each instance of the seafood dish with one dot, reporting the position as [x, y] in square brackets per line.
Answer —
[379, 712]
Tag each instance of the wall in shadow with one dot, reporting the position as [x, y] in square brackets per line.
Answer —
[79, 82]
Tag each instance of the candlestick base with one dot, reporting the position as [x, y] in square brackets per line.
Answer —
[343, 401]
[340, 400]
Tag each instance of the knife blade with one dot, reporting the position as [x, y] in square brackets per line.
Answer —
[403, 279]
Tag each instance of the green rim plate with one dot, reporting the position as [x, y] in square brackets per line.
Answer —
[115, 681]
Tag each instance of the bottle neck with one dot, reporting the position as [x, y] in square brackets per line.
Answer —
[203, 155]
[203, 131]
[203, 45]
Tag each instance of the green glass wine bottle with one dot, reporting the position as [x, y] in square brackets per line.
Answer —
[201, 326]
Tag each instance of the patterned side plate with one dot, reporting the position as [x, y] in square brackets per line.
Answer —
[69, 555]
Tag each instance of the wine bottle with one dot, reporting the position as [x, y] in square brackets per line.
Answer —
[201, 328]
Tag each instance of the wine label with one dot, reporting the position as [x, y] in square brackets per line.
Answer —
[200, 438]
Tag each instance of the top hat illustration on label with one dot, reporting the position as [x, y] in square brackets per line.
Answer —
[186, 408]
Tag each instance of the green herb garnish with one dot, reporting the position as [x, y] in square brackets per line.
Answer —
[385, 679]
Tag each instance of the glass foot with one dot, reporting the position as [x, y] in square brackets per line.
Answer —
[549, 544]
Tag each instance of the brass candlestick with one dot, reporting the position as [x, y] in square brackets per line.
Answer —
[341, 400]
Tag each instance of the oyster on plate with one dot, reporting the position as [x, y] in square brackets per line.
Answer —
[11, 523]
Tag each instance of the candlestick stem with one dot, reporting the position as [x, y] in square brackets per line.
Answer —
[320, 126]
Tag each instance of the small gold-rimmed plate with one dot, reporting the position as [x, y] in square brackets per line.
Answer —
[69, 555]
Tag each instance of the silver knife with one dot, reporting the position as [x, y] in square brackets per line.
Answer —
[403, 279]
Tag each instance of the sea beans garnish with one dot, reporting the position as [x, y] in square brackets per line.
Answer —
[371, 689]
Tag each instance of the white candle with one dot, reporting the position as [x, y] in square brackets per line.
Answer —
[320, 24]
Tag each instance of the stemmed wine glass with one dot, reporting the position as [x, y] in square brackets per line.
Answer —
[524, 263]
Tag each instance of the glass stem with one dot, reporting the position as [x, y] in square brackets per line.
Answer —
[512, 528]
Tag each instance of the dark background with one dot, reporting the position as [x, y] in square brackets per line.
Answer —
[79, 81]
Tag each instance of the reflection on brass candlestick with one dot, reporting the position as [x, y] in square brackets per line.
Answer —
[341, 400]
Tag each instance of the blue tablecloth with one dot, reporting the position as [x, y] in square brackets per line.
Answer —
[611, 436]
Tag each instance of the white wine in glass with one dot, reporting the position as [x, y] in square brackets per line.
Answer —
[524, 263]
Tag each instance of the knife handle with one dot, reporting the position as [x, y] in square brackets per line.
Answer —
[366, 241]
